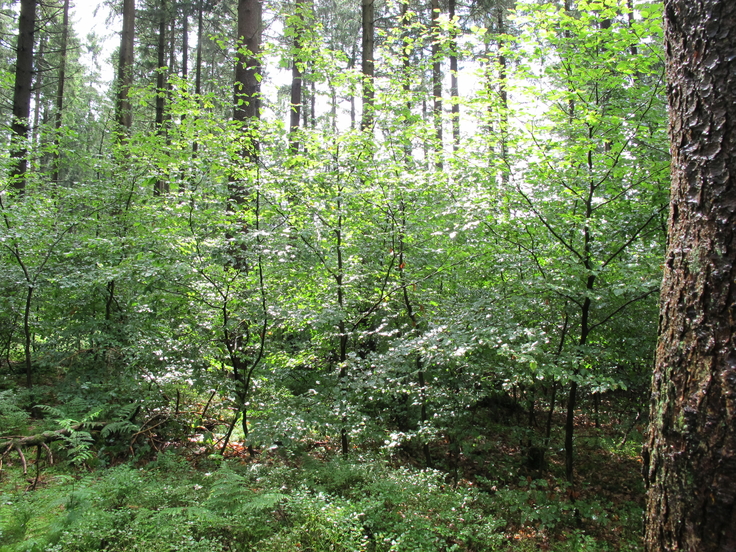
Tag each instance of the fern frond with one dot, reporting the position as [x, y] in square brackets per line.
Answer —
[122, 426]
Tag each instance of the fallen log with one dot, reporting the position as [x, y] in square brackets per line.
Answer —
[39, 440]
[8, 443]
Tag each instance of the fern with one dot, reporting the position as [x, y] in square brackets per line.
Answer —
[79, 447]
[230, 494]
[121, 427]
[12, 418]
[79, 440]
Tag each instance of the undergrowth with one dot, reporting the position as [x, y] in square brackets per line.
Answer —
[275, 504]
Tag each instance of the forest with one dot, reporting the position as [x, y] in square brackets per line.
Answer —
[330, 276]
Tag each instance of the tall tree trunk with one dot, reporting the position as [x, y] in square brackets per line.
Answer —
[504, 97]
[368, 65]
[185, 44]
[247, 86]
[37, 86]
[437, 84]
[247, 69]
[406, 77]
[339, 276]
[161, 67]
[351, 66]
[630, 5]
[22, 95]
[690, 454]
[247, 61]
[123, 113]
[454, 88]
[198, 61]
[160, 186]
[56, 176]
[296, 77]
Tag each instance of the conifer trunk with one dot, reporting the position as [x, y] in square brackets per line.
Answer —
[22, 94]
[296, 80]
[123, 113]
[368, 66]
[56, 176]
[690, 453]
[160, 186]
[437, 84]
[247, 84]
[454, 86]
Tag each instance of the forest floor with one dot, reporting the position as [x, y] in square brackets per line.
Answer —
[190, 497]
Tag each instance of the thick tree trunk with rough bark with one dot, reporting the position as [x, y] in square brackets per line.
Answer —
[22, 93]
[690, 454]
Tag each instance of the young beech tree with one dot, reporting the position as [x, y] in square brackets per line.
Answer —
[690, 456]
[589, 185]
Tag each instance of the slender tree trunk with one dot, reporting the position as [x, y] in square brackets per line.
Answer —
[56, 176]
[123, 112]
[37, 123]
[185, 44]
[198, 62]
[296, 79]
[690, 453]
[181, 185]
[247, 61]
[415, 324]
[406, 80]
[27, 336]
[504, 97]
[437, 85]
[553, 392]
[585, 312]
[161, 186]
[161, 67]
[630, 5]
[454, 87]
[22, 95]
[246, 110]
[342, 327]
[305, 101]
[247, 80]
[351, 66]
[368, 65]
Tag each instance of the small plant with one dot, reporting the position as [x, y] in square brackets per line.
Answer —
[13, 419]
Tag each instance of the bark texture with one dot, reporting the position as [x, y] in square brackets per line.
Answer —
[22, 93]
[247, 65]
[296, 77]
[60, 92]
[367, 64]
[123, 112]
[247, 96]
[454, 85]
[690, 454]
[437, 82]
